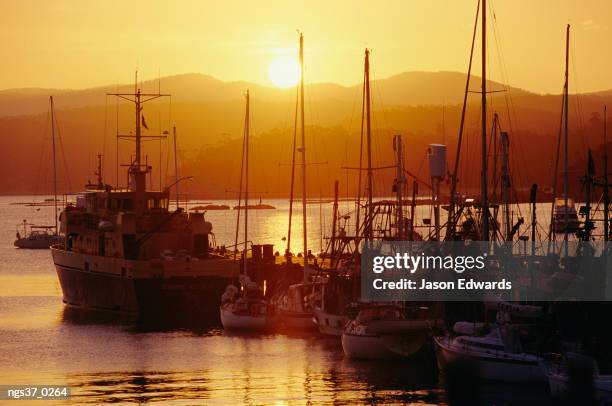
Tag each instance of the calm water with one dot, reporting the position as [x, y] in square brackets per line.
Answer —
[109, 360]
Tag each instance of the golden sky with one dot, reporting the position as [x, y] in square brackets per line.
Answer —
[77, 44]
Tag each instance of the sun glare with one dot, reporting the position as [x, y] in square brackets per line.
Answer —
[284, 72]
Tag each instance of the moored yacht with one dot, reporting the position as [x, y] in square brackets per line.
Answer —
[388, 331]
[498, 349]
[246, 311]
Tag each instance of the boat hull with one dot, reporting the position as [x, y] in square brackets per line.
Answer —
[155, 298]
[37, 243]
[492, 368]
[382, 347]
[297, 320]
[233, 321]
[328, 323]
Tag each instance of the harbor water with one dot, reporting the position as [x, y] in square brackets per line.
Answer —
[105, 359]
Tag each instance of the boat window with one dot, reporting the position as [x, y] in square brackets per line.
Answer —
[163, 203]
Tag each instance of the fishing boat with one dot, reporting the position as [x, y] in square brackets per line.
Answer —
[42, 236]
[125, 252]
[388, 331]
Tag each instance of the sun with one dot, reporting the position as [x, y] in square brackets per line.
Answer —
[284, 71]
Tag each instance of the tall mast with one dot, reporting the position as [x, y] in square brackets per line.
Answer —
[606, 195]
[450, 227]
[176, 173]
[565, 134]
[399, 185]
[483, 175]
[54, 164]
[247, 125]
[368, 228]
[304, 218]
[288, 249]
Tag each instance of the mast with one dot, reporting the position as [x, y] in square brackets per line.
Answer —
[54, 164]
[247, 125]
[176, 173]
[505, 186]
[450, 227]
[99, 172]
[304, 216]
[368, 225]
[357, 219]
[606, 195]
[137, 168]
[399, 185]
[565, 134]
[483, 176]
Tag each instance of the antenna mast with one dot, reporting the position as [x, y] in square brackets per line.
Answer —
[54, 164]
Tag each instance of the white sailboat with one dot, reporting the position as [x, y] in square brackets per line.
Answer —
[387, 331]
[497, 349]
[295, 304]
[37, 236]
[245, 309]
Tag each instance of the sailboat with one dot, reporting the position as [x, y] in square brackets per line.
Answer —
[42, 236]
[564, 216]
[245, 308]
[295, 303]
[499, 353]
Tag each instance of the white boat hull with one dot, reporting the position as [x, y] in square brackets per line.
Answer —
[514, 369]
[328, 323]
[233, 321]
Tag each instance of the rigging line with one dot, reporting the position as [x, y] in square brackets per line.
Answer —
[43, 154]
[358, 200]
[462, 123]
[244, 146]
[293, 157]
[508, 93]
[578, 108]
[556, 168]
[117, 139]
[63, 152]
[104, 135]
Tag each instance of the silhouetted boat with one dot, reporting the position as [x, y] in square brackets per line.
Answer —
[388, 331]
[42, 237]
[125, 252]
